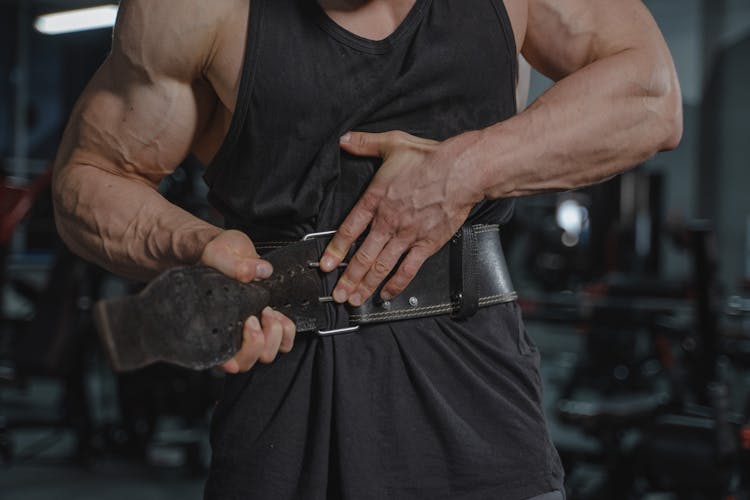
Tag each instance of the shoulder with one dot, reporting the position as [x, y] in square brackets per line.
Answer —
[518, 13]
[176, 38]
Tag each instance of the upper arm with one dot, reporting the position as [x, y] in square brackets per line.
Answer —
[565, 35]
[143, 109]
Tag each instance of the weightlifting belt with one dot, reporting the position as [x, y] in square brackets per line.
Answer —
[193, 316]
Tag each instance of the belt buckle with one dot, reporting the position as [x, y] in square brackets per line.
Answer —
[316, 265]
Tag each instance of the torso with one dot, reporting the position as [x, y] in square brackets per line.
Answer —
[373, 19]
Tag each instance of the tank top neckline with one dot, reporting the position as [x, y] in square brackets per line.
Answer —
[343, 35]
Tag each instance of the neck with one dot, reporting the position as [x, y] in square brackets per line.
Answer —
[374, 19]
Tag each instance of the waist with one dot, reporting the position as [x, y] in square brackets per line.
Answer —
[467, 273]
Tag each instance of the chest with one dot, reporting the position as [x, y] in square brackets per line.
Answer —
[286, 86]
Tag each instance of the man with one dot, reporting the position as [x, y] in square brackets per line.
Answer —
[288, 102]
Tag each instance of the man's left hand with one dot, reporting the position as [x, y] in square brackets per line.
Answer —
[417, 200]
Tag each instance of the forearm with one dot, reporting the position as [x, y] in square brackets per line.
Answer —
[125, 225]
[599, 121]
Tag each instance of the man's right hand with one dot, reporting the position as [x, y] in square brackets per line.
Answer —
[232, 253]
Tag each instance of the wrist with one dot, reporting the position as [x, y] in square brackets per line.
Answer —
[469, 162]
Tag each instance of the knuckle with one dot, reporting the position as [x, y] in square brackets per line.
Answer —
[380, 268]
[408, 271]
[244, 271]
[362, 257]
[345, 281]
[370, 200]
[289, 327]
[290, 324]
[399, 136]
[390, 219]
[347, 231]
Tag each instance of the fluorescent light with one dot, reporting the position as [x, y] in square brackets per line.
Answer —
[77, 20]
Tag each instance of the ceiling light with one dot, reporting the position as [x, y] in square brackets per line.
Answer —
[77, 20]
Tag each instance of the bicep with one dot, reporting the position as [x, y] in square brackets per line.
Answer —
[566, 35]
[132, 125]
[145, 106]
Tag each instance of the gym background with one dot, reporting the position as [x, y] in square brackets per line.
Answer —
[636, 291]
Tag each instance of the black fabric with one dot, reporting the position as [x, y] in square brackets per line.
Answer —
[449, 68]
[422, 408]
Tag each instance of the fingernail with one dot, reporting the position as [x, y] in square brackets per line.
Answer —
[339, 295]
[327, 263]
[345, 138]
[355, 300]
[253, 323]
[263, 270]
[385, 295]
[268, 311]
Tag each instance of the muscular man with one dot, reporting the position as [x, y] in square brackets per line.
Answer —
[292, 105]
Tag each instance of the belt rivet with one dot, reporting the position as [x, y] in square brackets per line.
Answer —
[413, 301]
[386, 304]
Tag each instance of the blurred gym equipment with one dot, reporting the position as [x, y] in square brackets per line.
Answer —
[57, 341]
[649, 387]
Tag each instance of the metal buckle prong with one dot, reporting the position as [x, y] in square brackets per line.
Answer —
[338, 331]
[316, 265]
[322, 234]
[326, 300]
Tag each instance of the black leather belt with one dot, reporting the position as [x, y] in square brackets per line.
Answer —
[467, 273]
[193, 316]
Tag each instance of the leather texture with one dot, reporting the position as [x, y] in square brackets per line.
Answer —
[472, 264]
[193, 316]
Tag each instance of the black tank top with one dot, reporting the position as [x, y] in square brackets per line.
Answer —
[448, 68]
[424, 408]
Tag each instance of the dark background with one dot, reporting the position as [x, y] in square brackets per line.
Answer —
[641, 318]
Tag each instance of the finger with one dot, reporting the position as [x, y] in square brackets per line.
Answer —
[252, 344]
[358, 267]
[349, 230]
[379, 271]
[367, 144]
[273, 332]
[380, 145]
[244, 270]
[406, 272]
[230, 366]
[241, 265]
[288, 334]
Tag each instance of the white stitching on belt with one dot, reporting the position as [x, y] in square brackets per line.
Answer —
[434, 309]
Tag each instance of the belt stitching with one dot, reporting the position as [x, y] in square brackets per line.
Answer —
[434, 309]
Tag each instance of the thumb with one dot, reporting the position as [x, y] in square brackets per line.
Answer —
[233, 254]
[368, 144]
